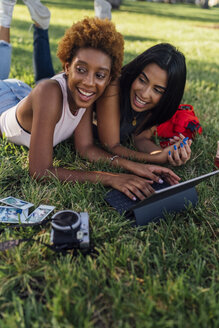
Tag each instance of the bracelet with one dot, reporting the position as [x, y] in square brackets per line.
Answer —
[155, 152]
[113, 157]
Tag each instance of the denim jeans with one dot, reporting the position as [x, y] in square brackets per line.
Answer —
[42, 62]
[5, 63]
[12, 90]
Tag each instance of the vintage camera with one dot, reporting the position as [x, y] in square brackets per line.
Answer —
[70, 230]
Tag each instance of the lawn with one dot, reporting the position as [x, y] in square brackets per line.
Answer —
[163, 275]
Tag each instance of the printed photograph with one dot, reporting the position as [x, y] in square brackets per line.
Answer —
[15, 202]
[40, 213]
[10, 214]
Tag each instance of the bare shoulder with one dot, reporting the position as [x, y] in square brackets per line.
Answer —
[47, 95]
[47, 87]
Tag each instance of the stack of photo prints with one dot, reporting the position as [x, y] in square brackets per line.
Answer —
[17, 211]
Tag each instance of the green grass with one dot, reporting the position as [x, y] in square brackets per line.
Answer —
[166, 275]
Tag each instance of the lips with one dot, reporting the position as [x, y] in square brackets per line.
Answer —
[85, 95]
[139, 102]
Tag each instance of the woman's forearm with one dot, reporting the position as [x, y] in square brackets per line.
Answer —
[156, 155]
[94, 153]
[146, 146]
[67, 175]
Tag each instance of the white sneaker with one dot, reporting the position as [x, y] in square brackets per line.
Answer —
[6, 12]
[39, 13]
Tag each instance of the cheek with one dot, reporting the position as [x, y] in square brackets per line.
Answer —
[157, 98]
[133, 88]
[102, 85]
[73, 78]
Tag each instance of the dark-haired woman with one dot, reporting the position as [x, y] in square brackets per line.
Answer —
[147, 94]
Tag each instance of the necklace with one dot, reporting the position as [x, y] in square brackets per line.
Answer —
[134, 121]
[134, 118]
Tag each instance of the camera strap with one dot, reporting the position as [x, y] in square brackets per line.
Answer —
[63, 239]
[8, 244]
[16, 242]
[5, 245]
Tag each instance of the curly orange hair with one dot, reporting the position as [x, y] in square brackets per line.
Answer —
[95, 33]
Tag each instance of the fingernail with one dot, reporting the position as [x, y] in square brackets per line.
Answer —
[160, 181]
[184, 141]
[181, 144]
[169, 152]
[175, 147]
[133, 198]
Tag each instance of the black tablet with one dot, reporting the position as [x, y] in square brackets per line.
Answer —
[165, 199]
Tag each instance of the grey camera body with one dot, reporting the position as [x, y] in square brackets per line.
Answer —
[83, 234]
[70, 229]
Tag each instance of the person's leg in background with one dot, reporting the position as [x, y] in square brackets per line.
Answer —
[5, 53]
[12, 90]
[42, 62]
[6, 12]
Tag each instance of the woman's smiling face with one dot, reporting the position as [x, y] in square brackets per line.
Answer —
[88, 75]
[148, 88]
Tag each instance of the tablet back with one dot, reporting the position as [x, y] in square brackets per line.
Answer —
[165, 199]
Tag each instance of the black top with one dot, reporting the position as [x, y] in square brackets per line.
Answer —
[126, 127]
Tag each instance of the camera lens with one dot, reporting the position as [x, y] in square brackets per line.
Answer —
[66, 220]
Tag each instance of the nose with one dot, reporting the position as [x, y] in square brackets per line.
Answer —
[146, 92]
[89, 80]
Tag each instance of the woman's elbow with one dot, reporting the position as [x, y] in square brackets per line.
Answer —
[38, 173]
[114, 147]
[84, 151]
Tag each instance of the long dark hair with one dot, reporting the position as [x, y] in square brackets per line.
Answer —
[168, 58]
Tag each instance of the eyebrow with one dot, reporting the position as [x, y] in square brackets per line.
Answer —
[158, 86]
[99, 68]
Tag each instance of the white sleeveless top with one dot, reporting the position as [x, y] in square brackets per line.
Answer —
[63, 129]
